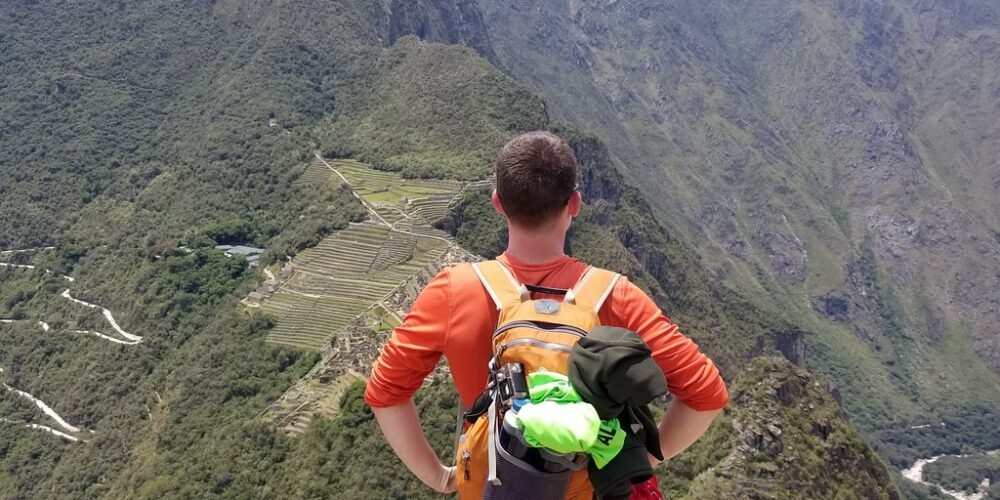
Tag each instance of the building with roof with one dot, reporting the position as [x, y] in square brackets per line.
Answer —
[252, 254]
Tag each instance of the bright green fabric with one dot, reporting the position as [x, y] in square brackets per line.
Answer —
[560, 427]
[559, 420]
[551, 386]
[610, 439]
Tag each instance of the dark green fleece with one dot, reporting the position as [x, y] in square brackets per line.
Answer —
[612, 368]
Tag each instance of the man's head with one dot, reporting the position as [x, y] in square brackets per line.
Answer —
[536, 181]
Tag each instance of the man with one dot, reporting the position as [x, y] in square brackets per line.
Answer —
[455, 317]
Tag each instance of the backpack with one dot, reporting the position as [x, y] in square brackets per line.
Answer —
[539, 335]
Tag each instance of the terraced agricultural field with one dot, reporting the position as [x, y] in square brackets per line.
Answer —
[353, 270]
[421, 200]
[346, 274]
[317, 173]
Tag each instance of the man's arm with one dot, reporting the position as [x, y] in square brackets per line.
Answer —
[410, 355]
[681, 427]
[691, 376]
[401, 426]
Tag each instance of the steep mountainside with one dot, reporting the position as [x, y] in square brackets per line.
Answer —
[137, 135]
[131, 129]
[834, 160]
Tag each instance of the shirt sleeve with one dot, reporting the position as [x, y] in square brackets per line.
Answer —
[414, 348]
[691, 376]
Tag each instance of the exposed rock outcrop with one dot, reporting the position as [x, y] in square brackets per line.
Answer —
[791, 441]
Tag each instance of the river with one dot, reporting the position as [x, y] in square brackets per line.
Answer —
[916, 474]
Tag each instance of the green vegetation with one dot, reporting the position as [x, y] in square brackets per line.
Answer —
[347, 457]
[914, 491]
[414, 117]
[193, 372]
[962, 432]
[131, 130]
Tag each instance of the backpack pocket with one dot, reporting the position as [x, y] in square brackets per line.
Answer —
[520, 480]
[472, 459]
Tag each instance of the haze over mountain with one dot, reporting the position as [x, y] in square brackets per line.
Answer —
[813, 180]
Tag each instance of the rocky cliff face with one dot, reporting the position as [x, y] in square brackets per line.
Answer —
[437, 21]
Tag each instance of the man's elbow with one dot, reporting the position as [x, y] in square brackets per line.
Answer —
[380, 392]
[713, 402]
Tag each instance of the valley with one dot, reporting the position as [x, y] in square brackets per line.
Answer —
[808, 188]
[916, 474]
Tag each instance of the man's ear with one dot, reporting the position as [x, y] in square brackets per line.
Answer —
[575, 202]
[496, 202]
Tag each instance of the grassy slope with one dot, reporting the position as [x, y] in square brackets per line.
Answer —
[963, 473]
[414, 114]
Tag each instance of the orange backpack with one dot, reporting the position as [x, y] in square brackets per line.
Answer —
[539, 335]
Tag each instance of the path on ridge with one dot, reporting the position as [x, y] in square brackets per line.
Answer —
[129, 339]
[107, 315]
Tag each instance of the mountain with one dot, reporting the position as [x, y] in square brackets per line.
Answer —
[832, 160]
[139, 135]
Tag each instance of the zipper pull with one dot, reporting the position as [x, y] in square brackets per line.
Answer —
[466, 456]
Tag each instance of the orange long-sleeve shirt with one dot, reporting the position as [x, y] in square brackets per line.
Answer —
[455, 317]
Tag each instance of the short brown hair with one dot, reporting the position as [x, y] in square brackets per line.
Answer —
[536, 176]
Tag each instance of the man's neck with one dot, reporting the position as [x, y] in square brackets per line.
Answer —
[535, 246]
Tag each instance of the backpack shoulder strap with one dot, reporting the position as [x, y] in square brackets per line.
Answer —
[500, 283]
[594, 287]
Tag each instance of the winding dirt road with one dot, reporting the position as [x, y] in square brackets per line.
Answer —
[135, 339]
[129, 338]
[46, 409]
